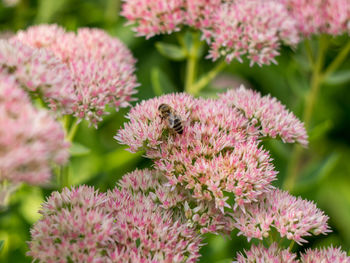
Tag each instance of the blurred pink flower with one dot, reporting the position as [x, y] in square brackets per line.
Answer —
[260, 254]
[102, 67]
[218, 151]
[39, 72]
[147, 232]
[30, 139]
[292, 217]
[199, 13]
[153, 17]
[201, 215]
[253, 28]
[320, 16]
[74, 228]
[325, 255]
[270, 117]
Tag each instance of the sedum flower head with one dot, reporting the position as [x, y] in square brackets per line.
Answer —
[201, 215]
[271, 118]
[31, 139]
[260, 254]
[320, 16]
[153, 17]
[251, 28]
[294, 218]
[145, 232]
[39, 72]
[102, 67]
[325, 255]
[74, 228]
[199, 13]
[217, 153]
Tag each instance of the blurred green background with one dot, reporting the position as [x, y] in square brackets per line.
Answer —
[325, 173]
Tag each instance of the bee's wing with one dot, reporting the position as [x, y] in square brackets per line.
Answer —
[171, 121]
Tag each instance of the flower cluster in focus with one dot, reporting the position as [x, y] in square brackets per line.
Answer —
[203, 216]
[292, 217]
[217, 155]
[100, 67]
[31, 141]
[83, 225]
[273, 254]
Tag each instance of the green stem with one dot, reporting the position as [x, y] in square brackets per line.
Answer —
[291, 245]
[73, 129]
[293, 166]
[337, 61]
[192, 60]
[202, 82]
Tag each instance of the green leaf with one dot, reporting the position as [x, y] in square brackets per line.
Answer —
[317, 171]
[78, 149]
[226, 260]
[320, 130]
[171, 51]
[339, 77]
[119, 157]
[48, 9]
[161, 84]
[2, 242]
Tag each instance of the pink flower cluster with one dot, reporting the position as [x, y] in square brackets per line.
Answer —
[271, 118]
[39, 72]
[260, 254]
[82, 225]
[273, 254]
[217, 155]
[154, 16]
[292, 217]
[101, 67]
[30, 140]
[202, 216]
[252, 28]
[320, 16]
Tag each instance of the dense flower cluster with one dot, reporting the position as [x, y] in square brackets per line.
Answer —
[273, 254]
[217, 153]
[292, 217]
[260, 254]
[270, 117]
[82, 225]
[154, 16]
[39, 72]
[199, 215]
[30, 139]
[102, 68]
[320, 16]
[74, 228]
[253, 28]
[326, 255]
[147, 232]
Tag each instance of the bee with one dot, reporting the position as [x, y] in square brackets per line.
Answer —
[173, 120]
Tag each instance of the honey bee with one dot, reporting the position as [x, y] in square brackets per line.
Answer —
[174, 122]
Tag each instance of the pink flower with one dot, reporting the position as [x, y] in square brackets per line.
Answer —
[273, 254]
[153, 17]
[38, 71]
[102, 67]
[201, 215]
[292, 217]
[217, 153]
[148, 233]
[271, 118]
[74, 228]
[199, 13]
[320, 16]
[326, 255]
[30, 140]
[253, 28]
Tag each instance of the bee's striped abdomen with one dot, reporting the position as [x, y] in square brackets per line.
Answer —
[178, 125]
